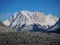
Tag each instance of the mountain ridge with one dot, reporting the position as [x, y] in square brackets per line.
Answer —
[30, 18]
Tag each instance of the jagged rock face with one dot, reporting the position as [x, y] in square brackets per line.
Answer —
[27, 18]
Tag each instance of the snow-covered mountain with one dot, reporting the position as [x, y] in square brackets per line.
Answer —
[56, 26]
[25, 20]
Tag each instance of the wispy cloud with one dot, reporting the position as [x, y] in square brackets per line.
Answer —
[4, 16]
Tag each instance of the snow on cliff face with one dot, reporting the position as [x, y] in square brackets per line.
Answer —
[30, 18]
[51, 20]
[6, 22]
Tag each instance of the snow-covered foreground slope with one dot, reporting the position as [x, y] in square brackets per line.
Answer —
[25, 20]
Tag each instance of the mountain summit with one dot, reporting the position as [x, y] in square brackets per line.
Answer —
[25, 20]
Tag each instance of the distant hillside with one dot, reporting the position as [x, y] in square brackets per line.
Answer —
[1, 24]
[4, 29]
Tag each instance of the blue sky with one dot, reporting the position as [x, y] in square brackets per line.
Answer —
[8, 7]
